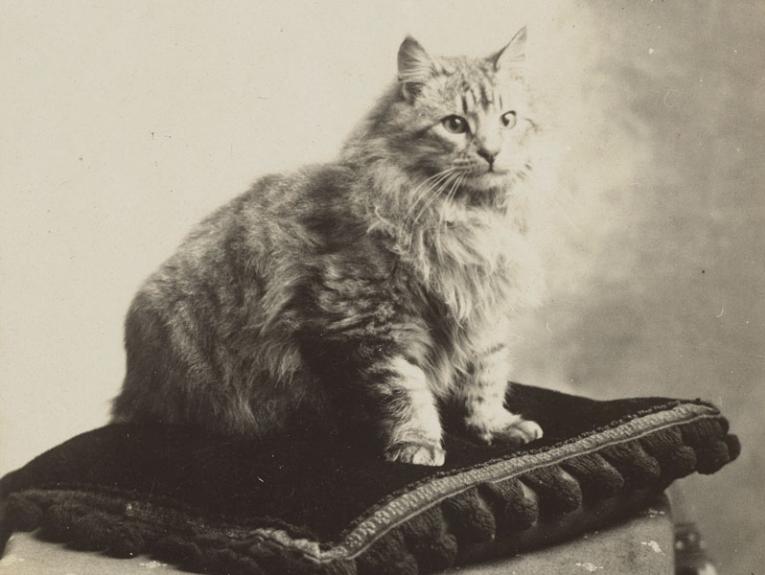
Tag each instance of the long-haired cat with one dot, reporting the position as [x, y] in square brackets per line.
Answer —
[372, 291]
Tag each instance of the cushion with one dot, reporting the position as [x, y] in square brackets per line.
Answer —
[316, 505]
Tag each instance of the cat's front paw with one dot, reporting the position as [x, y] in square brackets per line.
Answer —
[520, 432]
[416, 453]
[503, 426]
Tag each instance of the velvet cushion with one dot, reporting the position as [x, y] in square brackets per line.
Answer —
[316, 505]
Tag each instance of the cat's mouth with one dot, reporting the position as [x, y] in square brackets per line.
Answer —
[490, 178]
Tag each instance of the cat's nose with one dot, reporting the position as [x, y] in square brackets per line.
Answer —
[487, 155]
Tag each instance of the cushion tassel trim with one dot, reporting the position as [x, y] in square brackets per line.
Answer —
[496, 507]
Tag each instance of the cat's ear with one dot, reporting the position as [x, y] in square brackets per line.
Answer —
[513, 54]
[415, 67]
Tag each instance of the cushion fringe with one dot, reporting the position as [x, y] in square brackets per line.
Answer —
[436, 538]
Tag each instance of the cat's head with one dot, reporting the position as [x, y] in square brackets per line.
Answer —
[465, 123]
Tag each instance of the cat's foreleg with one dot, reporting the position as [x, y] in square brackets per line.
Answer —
[409, 418]
[484, 395]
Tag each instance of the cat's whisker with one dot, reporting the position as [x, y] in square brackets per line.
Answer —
[436, 193]
[431, 192]
[414, 195]
[424, 188]
[456, 188]
[452, 192]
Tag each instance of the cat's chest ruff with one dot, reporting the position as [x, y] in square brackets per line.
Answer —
[468, 273]
[454, 344]
[463, 307]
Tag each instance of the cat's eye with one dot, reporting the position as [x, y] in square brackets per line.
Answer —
[509, 119]
[455, 124]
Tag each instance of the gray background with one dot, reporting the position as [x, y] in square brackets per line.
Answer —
[122, 124]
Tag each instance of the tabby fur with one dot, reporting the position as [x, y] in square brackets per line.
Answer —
[372, 292]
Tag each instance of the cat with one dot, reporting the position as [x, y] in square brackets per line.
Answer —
[375, 290]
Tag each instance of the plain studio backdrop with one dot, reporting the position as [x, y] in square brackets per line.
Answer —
[124, 123]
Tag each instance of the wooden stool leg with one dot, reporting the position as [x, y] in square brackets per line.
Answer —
[690, 550]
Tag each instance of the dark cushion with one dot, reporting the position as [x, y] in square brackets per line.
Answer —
[316, 505]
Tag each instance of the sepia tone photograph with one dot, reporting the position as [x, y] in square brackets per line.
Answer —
[371, 288]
